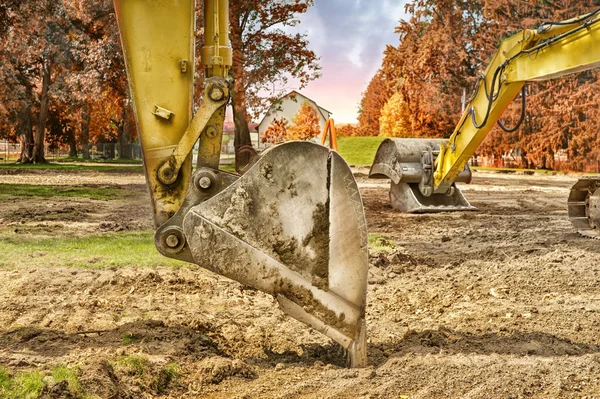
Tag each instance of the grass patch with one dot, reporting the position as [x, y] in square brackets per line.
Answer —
[5, 382]
[133, 365]
[29, 385]
[359, 151]
[123, 249]
[130, 339]
[24, 385]
[98, 167]
[228, 168]
[172, 369]
[379, 243]
[168, 374]
[28, 190]
[64, 373]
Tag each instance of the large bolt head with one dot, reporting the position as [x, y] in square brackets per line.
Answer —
[212, 132]
[204, 182]
[172, 241]
[216, 93]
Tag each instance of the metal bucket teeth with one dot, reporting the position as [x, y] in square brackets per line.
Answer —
[584, 207]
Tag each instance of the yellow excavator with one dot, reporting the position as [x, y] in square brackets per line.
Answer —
[424, 172]
[293, 225]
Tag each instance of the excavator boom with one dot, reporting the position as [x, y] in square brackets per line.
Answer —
[423, 178]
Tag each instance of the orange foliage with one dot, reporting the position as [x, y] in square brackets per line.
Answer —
[346, 130]
[305, 124]
[276, 132]
[445, 45]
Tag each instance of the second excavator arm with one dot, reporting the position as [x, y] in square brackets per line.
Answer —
[551, 51]
[424, 171]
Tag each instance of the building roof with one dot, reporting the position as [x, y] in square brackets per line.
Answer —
[294, 93]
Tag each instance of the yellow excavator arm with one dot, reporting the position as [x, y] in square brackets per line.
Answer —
[551, 51]
[423, 172]
[292, 226]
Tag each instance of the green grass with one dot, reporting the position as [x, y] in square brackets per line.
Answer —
[173, 370]
[123, 249]
[27, 190]
[71, 167]
[29, 385]
[379, 243]
[168, 374]
[133, 364]
[359, 151]
[23, 385]
[129, 339]
[5, 381]
[64, 373]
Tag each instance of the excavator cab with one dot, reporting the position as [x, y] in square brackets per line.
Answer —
[292, 226]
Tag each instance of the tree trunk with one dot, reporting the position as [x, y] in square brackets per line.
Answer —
[72, 144]
[85, 131]
[25, 133]
[124, 133]
[240, 113]
[38, 149]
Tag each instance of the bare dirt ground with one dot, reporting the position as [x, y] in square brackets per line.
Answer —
[503, 302]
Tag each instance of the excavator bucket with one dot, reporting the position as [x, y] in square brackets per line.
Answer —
[584, 207]
[293, 226]
[401, 161]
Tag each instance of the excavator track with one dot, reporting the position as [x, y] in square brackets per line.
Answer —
[584, 207]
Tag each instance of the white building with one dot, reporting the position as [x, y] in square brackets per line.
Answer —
[287, 107]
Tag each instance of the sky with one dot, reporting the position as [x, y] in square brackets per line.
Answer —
[350, 37]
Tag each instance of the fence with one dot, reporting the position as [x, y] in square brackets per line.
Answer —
[9, 152]
[559, 163]
[111, 151]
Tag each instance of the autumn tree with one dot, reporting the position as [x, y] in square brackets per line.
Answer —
[305, 125]
[346, 130]
[393, 121]
[561, 113]
[100, 83]
[446, 44]
[266, 56]
[276, 133]
[373, 100]
[40, 51]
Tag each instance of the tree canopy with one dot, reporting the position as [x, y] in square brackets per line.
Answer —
[445, 45]
[63, 77]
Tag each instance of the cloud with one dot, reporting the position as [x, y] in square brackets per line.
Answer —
[350, 37]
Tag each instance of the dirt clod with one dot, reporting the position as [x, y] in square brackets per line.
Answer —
[215, 370]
